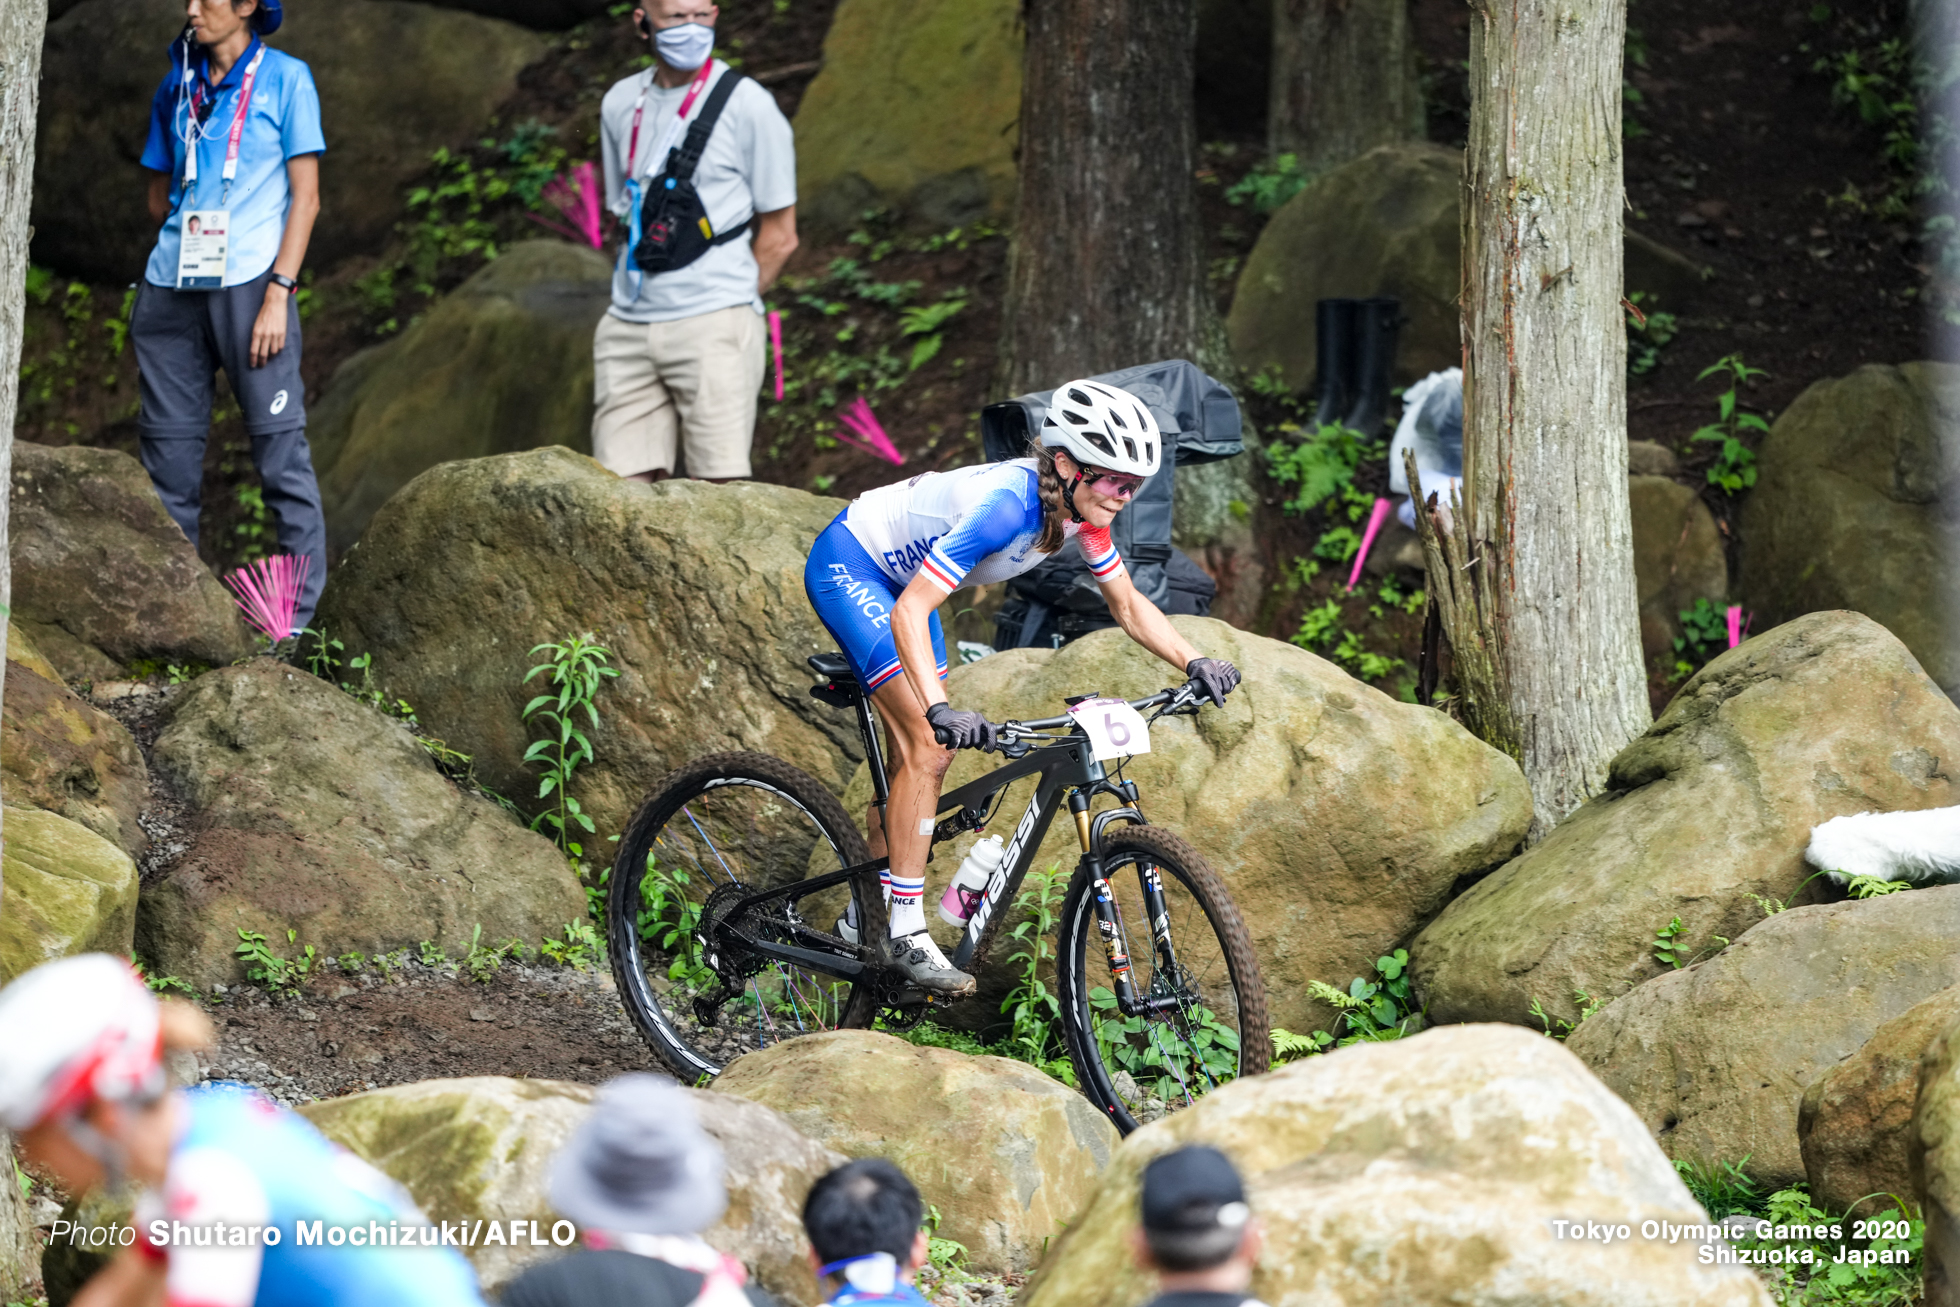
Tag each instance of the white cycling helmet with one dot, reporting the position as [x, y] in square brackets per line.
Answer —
[1103, 427]
[74, 1032]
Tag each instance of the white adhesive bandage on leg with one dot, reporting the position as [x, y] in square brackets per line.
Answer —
[925, 825]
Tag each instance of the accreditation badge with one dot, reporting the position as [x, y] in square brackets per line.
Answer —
[201, 245]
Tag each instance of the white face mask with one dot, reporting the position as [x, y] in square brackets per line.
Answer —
[686, 47]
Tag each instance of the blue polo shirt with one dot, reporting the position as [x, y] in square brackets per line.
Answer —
[284, 120]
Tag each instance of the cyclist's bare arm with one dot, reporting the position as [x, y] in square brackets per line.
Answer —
[913, 638]
[1143, 622]
[131, 1280]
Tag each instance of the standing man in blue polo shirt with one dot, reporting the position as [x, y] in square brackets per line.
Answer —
[235, 147]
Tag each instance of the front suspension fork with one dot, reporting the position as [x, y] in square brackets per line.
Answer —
[1109, 923]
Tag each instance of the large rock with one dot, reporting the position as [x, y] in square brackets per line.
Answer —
[1855, 1117]
[1678, 558]
[59, 753]
[20, 1250]
[1340, 819]
[101, 573]
[479, 1148]
[1005, 1153]
[1712, 807]
[67, 891]
[1933, 1150]
[1716, 1058]
[916, 109]
[312, 812]
[1387, 224]
[1428, 1170]
[396, 80]
[697, 589]
[1853, 508]
[502, 363]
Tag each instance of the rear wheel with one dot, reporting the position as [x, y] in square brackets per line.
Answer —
[712, 833]
[1198, 965]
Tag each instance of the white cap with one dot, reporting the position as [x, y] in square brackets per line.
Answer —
[74, 1032]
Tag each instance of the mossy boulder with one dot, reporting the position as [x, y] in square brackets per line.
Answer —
[396, 80]
[916, 110]
[1716, 1058]
[102, 576]
[1388, 224]
[67, 891]
[1704, 817]
[1340, 819]
[502, 363]
[1856, 1116]
[1853, 508]
[20, 1249]
[1678, 558]
[1933, 1151]
[480, 1148]
[59, 753]
[1427, 1170]
[696, 589]
[311, 811]
[1006, 1153]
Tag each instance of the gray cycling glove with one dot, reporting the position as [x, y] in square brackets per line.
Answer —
[1214, 676]
[964, 730]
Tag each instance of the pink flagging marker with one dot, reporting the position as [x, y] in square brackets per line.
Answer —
[576, 195]
[268, 593]
[1376, 517]
[873, 440]
[776, 348]
[1738, 624]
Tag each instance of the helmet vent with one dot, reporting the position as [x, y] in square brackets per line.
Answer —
[1130, 446]
[1100, 441]
[1077, 418]
[1117, 418]
[1080, 398]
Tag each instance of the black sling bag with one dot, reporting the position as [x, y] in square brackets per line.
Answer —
[674, 227]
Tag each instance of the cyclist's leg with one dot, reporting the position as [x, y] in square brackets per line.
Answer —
[918, 766]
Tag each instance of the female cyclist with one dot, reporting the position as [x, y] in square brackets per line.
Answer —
[879, 572]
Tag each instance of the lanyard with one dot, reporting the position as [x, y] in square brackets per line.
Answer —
[640, 106]
[237, 131]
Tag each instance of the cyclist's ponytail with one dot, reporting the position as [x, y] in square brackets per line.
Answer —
[1049, 488]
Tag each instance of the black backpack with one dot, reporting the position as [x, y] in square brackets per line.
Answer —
[674, 227]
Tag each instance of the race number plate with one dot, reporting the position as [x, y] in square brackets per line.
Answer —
[1115, 729]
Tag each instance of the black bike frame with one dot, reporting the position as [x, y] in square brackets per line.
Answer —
[1067, 764]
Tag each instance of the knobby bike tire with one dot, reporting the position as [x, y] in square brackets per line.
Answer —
[1082, 963]
[665, 1025]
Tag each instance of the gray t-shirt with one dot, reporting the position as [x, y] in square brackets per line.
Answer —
[748, 168]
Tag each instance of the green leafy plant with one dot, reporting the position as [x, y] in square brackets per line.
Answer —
[1872, 887]
[351, 962]
[1722, 1188]
[1735, 463]
[1377, 1010]
[483, 961]
[159, 984]
[1667, 944]
[946, 1256]
[324, 661]
[1266, 189]
[578, 949]
[280, 976]
[924, 321]
[1034, 1010]
[1134, 1045]
[577, 667]
[432, 954]
[1289, 1047]
[1704, 634]
[1319, 463]
[669, 919]
[1648, 333]
[1559, 1027]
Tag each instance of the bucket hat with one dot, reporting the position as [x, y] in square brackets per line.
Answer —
[640, 1163]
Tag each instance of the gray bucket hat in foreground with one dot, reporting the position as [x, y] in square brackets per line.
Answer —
[641, 1163]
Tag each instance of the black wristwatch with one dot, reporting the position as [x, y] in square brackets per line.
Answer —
[280, 279]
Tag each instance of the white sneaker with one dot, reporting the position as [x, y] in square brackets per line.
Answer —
[845, 931]
[918, 959]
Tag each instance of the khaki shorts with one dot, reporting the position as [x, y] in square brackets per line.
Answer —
[691, 383]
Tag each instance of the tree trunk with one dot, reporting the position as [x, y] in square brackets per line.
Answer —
[1544, 341]
[1343, 79]
[22, 24]
[1106, 268]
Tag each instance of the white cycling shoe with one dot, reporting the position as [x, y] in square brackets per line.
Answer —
[845, 931]
[918, 959]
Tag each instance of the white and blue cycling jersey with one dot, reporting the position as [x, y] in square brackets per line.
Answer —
[971, 526]
[348, 1236]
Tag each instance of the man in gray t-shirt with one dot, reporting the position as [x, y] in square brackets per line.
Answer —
[678, 359]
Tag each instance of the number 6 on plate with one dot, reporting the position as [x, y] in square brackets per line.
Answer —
[1114, 728]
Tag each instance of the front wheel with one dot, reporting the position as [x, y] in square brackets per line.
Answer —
[711, 834]
[1193, 964]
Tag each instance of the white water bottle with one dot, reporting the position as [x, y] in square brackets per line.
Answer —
[969, 885]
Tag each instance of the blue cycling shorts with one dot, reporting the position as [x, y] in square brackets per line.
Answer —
[854, 600]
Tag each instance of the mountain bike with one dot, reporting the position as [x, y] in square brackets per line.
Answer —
[728, 894]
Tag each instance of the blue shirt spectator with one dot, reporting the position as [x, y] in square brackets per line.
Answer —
[284, 120]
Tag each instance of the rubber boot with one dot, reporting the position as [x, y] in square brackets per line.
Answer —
[1377, 325]
[1333, 358]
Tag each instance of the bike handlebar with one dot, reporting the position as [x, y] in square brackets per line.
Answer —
[1016, 737]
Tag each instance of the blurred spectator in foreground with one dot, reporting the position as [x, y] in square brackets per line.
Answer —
[867, 1234]
[642, 1179]
[1197, 1233]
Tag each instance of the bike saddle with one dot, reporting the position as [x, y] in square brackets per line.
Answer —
[840, 687]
